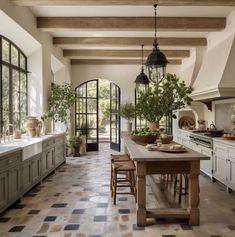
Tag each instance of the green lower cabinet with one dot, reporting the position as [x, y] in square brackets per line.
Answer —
[31, 173]
[17, 177]
[3, 190]
[44, 163]
[14, 184]
[59, 154]
[26, 176]
[36, 169]
[48, 161]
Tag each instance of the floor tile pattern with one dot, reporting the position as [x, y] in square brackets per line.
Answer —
[76, 202]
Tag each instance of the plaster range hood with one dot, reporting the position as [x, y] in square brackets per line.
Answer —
[216, 78]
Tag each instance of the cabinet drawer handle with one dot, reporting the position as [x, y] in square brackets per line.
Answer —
[10, 161]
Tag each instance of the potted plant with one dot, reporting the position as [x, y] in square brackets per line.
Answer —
[127, 111]
[163, 100]
[61, 99]
[75, 143]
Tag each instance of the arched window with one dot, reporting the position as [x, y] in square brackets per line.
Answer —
[13, 84]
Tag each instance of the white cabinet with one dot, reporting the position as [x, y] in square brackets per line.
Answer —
[221, 166]
[220, 162]
[224, 164]
[184, 139]
[231, 168]
[206, 166]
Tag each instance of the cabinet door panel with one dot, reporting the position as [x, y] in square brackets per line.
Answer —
[50, 159]
[3, 189]
[207, 165]
[14, 183]
[36, 170]
[220, 168]
[231, 174]
[26, 175]
[44, 162]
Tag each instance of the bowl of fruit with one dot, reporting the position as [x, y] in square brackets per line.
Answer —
[144, 135]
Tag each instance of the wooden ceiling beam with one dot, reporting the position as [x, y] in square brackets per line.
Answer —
[116, 62]
[122, 53]
[119, 41]
[198, 24]
[124, 2]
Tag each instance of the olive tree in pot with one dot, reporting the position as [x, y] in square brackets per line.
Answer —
[61, 99]
[163, 100]
[127, 111]
[75, 143]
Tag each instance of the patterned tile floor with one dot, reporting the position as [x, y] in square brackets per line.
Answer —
[76, 202]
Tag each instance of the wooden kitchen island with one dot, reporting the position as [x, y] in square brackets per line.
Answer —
[156, 162]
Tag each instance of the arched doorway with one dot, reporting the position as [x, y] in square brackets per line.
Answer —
[97, 113]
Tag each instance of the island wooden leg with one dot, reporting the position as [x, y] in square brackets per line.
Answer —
[194, 193]
[141, 194]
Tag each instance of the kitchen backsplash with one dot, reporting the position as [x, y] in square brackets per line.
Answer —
[223, 113]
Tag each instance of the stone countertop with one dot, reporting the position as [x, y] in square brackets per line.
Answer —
[19, 144]
[224, 141]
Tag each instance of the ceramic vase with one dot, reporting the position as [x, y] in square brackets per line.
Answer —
[30, 125]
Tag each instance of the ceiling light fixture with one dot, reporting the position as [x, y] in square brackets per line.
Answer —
[156, 62]
[142, 79]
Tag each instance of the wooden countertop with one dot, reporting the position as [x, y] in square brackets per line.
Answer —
[141, 153]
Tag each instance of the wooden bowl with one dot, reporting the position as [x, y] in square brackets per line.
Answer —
[144, 139]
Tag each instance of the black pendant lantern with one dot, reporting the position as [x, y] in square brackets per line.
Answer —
[156, 62]
[142, 81]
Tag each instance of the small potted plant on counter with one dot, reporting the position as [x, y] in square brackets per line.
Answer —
[75, 143]
[127, 111]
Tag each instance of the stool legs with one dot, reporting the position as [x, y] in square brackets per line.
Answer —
[180, 186]
[128, 182]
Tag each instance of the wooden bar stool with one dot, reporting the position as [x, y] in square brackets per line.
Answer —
[181, 186]
[117, 158]
[127, 171]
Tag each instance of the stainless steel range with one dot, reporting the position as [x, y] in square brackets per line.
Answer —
[204, 138]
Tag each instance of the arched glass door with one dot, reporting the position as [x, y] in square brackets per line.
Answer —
[115, 138]
[87, 116]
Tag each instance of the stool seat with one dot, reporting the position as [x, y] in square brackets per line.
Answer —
[124, 166]
[117, 158]
[122, 175]
[122, 157]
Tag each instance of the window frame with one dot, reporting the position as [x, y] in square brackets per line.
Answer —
[20, 70]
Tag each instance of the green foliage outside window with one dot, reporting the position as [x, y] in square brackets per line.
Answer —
[13, 76]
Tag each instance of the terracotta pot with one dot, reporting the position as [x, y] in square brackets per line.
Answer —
[153, 126]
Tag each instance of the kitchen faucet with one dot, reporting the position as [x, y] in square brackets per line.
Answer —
[212, 126]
